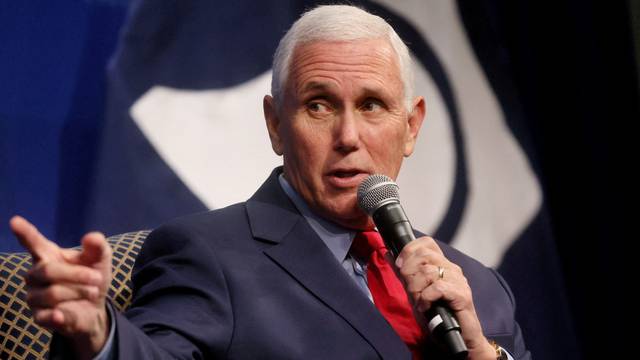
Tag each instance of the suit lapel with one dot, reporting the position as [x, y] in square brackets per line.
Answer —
[307, 259]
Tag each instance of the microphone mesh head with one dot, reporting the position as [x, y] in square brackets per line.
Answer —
[375, 191]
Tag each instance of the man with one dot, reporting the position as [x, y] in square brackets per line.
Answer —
[278, 276]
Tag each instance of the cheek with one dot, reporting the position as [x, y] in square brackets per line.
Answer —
[387, 150]
[307, 149]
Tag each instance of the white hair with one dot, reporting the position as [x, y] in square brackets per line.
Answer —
[338, 23]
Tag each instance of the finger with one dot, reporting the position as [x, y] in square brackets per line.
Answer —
[425, 241]
[438, 290]
[415, 246]
[51, 296]
[49, 318]
[46, 273]
[70, 317]
[72, 255]
[95, 249]
[418, 281]
[429, 274]
[457, 296]
[32, 240]
[422, 256]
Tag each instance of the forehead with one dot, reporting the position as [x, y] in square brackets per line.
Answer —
[336, 63]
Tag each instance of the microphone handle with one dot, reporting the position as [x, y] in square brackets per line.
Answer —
[396, 231]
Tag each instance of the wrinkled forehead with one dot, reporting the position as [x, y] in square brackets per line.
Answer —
[359, 59]
[342, 50]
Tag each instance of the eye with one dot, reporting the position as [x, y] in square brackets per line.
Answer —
[318, 107]
[371, 105]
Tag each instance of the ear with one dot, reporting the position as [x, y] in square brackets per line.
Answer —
[273, 123]
[414, 122]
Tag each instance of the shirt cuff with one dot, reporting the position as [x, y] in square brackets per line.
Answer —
[107, 350]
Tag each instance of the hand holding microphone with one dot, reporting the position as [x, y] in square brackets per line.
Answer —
[436, 285]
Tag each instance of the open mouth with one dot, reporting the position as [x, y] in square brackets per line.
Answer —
[347, 178]
[346, 174]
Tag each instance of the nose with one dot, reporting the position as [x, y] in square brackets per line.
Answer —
[346, 133]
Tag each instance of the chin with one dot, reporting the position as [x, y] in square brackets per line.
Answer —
[361, 223]
[350, 216]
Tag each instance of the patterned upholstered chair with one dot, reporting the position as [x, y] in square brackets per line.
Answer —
[20, 337]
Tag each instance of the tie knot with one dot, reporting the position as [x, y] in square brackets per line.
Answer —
[366, 242]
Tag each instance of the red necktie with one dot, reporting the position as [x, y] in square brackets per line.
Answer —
[388, 292]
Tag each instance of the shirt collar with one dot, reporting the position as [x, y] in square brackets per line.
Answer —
[337, 238]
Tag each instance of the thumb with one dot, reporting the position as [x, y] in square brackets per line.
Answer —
[96, 252]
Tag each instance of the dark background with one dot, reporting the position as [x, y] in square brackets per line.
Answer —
[572, 67]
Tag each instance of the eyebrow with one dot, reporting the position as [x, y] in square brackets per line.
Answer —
[315, 85]
[366, 92]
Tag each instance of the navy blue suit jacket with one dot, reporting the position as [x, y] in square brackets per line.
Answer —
[254, 281]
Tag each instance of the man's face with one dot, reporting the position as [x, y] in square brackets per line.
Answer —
[343, 118]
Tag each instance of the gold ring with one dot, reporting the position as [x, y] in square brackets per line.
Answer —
[440, 273]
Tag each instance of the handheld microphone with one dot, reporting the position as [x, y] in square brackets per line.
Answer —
[379, 197]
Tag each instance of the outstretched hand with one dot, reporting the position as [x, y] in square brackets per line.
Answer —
[66, 289]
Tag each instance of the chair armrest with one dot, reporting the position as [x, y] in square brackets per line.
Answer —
[20, 336]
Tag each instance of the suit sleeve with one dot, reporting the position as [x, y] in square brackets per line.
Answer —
[517, 349]
[181, 308]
